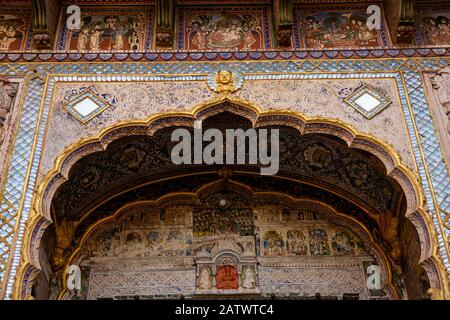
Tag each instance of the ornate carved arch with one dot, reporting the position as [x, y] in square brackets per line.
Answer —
[416, 211]
[189, 198]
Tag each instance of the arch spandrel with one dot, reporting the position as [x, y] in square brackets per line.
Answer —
[193, 95]
[385, 153]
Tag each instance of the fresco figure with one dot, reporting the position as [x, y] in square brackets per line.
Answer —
[224, 31]
[435, 30]
[83, 39]
[96, 37]
[318, 242]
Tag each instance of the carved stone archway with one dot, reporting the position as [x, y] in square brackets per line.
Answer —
[415, 205]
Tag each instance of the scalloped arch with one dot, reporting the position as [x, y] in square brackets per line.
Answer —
[415, 211]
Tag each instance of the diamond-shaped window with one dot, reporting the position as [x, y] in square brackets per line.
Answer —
[367, 101]
[86, 106]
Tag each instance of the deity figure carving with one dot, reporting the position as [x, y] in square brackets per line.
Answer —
[164, 39]
[64, 232]
[7, 93]
[441, 85]
[317, 156]
[227, 277]
[204, 280]
[248, 279]
[225, 81]
[96, 37]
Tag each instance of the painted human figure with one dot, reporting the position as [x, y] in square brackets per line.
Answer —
[96, 37]
[249, 39]
[248, 281]
[343, 244]
[204, 282]
[118, 38]
[83, 39]
[7, 34]
[199, 39]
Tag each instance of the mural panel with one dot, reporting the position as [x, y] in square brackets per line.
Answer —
[112, 29]
[303, 233]
[148, 234]
[14, 29]
[224, 28]
[334, 27]
[433, 28]
[223, 213]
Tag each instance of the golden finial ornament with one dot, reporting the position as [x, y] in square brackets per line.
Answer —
[225, 81]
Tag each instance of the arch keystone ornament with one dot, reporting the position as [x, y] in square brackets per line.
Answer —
[225, 81]
[41, 218]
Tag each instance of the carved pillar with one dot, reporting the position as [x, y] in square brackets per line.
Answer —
[400, 16]
[44, 23]
[164, 23]
[283, 16]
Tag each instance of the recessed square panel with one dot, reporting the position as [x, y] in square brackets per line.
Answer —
[367, 101]
[86, 106]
